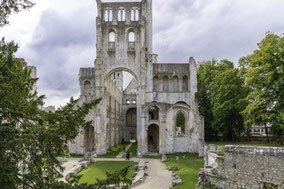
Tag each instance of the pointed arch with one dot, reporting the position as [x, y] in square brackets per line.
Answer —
[180, 123]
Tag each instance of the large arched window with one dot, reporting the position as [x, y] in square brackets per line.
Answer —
[111, 36]
[185, 83]
[134, 14]
[154, 113]
[180, 124]
[156, 83]
[121, 14]
[108, 14]
[165, 83]
[131, 37]
[131, 116]
[175, 84]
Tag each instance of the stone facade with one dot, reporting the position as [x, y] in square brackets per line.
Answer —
[146, 111]
[243, 167]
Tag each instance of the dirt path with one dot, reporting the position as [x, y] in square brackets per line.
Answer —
[159, 177]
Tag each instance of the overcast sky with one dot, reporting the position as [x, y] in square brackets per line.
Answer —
[58, 36]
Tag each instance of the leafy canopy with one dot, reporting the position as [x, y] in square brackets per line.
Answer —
[30, 137]
[9, 6]
[265, 78]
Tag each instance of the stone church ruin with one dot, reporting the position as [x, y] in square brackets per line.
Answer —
[147, 110]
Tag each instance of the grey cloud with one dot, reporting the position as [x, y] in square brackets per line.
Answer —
[55, 30]
[60, 45]
[222, 29]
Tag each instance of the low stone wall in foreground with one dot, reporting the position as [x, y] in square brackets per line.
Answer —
[244, 167]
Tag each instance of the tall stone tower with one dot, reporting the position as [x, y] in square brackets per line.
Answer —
[124, 43]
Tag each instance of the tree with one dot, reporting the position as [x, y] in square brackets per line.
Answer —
[9, 6]
[265, 78]
[205, 74]
[221, 98]
[228, 101]
[30, 137]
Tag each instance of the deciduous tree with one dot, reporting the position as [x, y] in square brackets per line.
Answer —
[265, 78]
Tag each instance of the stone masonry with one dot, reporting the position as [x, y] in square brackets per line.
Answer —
[147, 109]
[244, 167]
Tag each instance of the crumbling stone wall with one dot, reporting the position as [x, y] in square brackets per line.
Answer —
[245, 167]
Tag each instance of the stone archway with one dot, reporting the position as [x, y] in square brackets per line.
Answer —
[153, 138]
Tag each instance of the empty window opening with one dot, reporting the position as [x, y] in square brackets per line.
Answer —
[180, 124]
[156, 83]
[175, 84]
[134, 14]
[112, 37]
[131, 37]
[165, 83]
[154, 113]
[108, 14]
[127, 102]
[185, 83]
[121, 15]
[134, 102]
[131, 116]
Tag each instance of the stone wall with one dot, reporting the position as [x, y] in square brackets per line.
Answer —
[244, 167]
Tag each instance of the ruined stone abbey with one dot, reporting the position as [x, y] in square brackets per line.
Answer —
[150, 108]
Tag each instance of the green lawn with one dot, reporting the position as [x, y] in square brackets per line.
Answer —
[189, 168]
[98, 170]
[114, 151]
[132, 150]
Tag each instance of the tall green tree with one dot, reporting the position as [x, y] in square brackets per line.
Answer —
[265, 78]
[205, 73]
[228, 99]
[221, 99]
[30, 137]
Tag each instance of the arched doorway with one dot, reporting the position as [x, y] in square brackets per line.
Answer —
[120, 98]
[90, 140]
[153, 138]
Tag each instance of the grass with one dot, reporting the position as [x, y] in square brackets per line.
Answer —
[114, 151]
[132, 150]
[189, 168]
[98, 170]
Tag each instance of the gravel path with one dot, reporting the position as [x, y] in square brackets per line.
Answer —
[159, 177]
